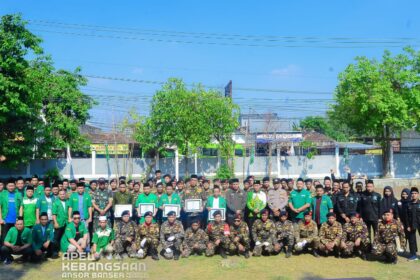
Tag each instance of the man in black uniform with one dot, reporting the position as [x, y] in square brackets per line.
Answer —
[413, 222]
[368, 206]
[346, 203]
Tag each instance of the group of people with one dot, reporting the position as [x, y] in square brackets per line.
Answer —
[39, 219]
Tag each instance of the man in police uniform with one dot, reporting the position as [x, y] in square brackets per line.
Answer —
[277, 199]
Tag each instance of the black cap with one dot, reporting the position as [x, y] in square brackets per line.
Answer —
[28, 188]
[101, 180]
[73, 181]
[125, 212]
[257, 182]
[166, 175]
[80, 184]
[34, 176]
[171, 213]
[265, 211]
[148, 213]
[194, 176]
[276, 181]
[354, 214]
[330, 214]
[122, 178]
[265, 179]
[158, 171]
[309, 180]
[299, 180]
[217, 212]
[81, 178]
[283, 213]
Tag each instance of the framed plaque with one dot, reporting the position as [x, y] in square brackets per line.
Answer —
[212, 210]
[193, 205]
[171, 207]
[146, 207]
[119, 208]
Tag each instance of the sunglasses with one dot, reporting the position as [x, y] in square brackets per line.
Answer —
[76, 218]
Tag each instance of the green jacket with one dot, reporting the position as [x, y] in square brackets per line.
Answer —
[42, 203]
[326, 205]
[256, 203]
[298, 199]
[73, 203]
[39, 191]
[12, 234]
[222, 202]
[60, 212]
[142, 198]
[175, 199]
[38, 239]
[4, 203]
[70, 233]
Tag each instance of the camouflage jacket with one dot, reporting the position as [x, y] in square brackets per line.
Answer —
[284, 229]
[264, 231]
[241, 231]
[149, 231]
[193, 237]
[303, 231]
[217, 231]
[387, 232]
[124, 230]
[167, 230]
[331, 233]
[101, 199]
[353, 231]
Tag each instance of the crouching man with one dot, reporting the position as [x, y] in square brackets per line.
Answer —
[103, 240]
[18, 241]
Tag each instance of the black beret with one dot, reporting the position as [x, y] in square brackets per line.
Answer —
[28, 188]
[265, 179]
[354, 214]
[308, 180]
[171, 213]
[257, 182]
[158, 171]
[276, 181]
[265, 211]
[34, 176]
[217, 212]
[148, 213]
[81, 178]
[80, 184]
[125, 212]
[330, 214]
[283, 213]
[194, 176]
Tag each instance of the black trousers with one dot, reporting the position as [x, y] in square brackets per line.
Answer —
[412, 241]
[4, 230]
[371, 225]
[58, 234]
[6, 252]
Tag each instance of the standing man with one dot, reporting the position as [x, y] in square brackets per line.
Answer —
[60, 216]
[235, 201]
[277, 199]
[330, 236]
[321, 205]
[28, 208]
[170, 197]
[256, 201]
[44, 203]
[346, 203]
[101, 202]
[369, 207]
[193, 192]
[299, 201]
[10, 203]
[18, 241]
[413, 222]
[146, 197]
[309, 186]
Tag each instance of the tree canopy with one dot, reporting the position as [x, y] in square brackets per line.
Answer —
[41, 108]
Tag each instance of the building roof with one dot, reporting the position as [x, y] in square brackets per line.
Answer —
[318, 138]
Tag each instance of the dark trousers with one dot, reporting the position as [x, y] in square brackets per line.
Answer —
[6, 252]
[4, 230]
[58, 234]
[50, 250]
[371, 225]
[412, 241]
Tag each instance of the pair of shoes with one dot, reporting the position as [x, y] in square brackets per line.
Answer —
[246, 255]
[413, 258]
[7, 261]
[109, 257]
[316, 255]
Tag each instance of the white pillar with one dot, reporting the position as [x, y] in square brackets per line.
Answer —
[195, 163]
[278, 163]
[157, 161]
[93, 163]
[176, 164]
[337, 160]
[391, 160]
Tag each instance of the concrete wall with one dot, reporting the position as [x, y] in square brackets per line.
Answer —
[406, 166]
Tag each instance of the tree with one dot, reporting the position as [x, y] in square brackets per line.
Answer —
[41, 108]
[188, 118]
[325, 126]
[380, 98]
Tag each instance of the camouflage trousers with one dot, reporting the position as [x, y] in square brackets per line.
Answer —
[323, 248]
[124, 246]
[211, 246]
[169, 248]
[288, 241]
[149, 244]
[234, 246]
[389, 249]
[312, 243]
[263, 248]
[349, 247]
[188, 249]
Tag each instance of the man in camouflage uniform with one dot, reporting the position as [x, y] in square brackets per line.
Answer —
[125, 237]
[195, 240]
[355, 237]
[386, 238]
[206, 189]
[193, 192]
[330, 236]
[219, 233]
[263, 234]
[102, 202]
[306, 234]
[171, 236]
[284, 235]
[147, 240]
[239, 237]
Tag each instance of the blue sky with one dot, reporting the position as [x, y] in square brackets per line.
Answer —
[210, 57]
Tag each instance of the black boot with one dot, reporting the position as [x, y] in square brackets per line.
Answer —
[176, 254]
[223, 253]
[246, 254]
[154, 254]
[316, 255]
[289, 252]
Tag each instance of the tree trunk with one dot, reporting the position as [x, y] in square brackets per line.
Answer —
[387, 154]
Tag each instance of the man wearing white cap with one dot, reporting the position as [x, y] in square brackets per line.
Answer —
[103, 240]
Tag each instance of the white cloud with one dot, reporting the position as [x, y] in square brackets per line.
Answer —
[289, 70]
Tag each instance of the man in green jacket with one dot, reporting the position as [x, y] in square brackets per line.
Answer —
[256, 201]
[82, 202]
[321, 205]
[146, 197]
[299, 201]
[103, 240]
[76, 235]
[44, 203]
[28, 208]
[10, 202]
[216, 201]
[18, 241]
[169, 198]
[43, 238]
[60, 218]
